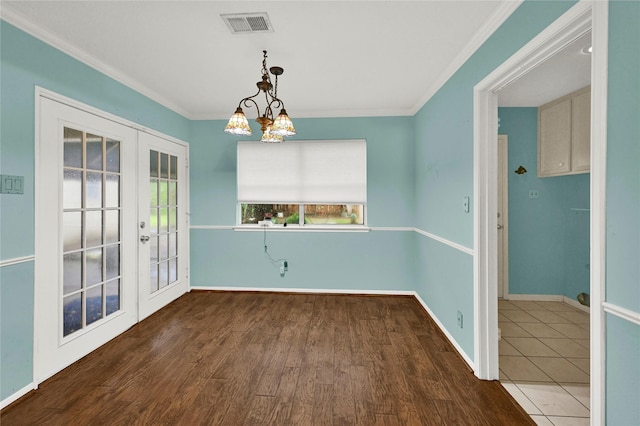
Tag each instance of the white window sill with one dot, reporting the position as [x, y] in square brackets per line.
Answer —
[305, 228]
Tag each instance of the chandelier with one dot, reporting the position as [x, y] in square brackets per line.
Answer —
[272, 130]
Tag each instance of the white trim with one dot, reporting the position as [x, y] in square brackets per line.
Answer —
[17, 260]
[305, 290]
[536, 297]
[572, 24]
[598, 182]
[620, 312]
[393, 228]
[491, 25]
[574, 303]
[444, 330]
[48, 94]
[16, 19]
[549, 298]
[304, 228]
[227, 227]
[17, 395]
[445, 241]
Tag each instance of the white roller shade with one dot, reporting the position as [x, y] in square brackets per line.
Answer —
[304, 172]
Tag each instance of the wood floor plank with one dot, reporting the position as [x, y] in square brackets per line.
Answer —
[224, 358]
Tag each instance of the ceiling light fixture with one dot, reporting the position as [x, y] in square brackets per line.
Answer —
[272, 130]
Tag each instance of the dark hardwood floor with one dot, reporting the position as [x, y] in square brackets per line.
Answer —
[222, 358]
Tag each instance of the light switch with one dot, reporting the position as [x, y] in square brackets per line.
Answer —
[11, 184]
[465, 204]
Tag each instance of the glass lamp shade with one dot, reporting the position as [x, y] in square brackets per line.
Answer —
[269, 137]
[282, 125]
[238, 124]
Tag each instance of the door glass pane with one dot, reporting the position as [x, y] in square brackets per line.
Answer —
[164, 274]
[153, 163]
[113, 297]
[164, 193]
[72, 272]
[94, 190]
[153, 222]
[153, 192]
[72, 148]
[112, 262]
[94, 304]
[164, 220]
[173, 270]
[173, 244]
[112, 190]
[163, 247]
[72, 313]
[153, 249]
[72, 228]
[94, 152]
[163, 243]
[173, 194]
[174, 167]
[164, 165]
[93, 229]
[111, 226]
[72, 189]
[153, 278]
[113, 156]
[94, 267]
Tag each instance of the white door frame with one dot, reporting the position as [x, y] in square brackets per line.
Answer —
[576, 21]
[503, 172]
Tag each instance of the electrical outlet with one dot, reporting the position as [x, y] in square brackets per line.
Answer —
[534, 193]
[460, 324]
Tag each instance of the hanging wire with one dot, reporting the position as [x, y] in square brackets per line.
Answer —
[282, 263]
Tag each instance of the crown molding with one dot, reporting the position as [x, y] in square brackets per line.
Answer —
[493, 23]
[18, 20]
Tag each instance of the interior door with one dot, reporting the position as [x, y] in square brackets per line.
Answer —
[85, 235]
[163, 222]
[503, 203]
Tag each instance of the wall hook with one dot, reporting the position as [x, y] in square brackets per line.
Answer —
[521, 170]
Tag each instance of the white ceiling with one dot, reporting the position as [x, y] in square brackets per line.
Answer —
[563, 73]
[341, 58]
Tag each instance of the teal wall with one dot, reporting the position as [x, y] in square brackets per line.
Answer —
[623, 212]
[376, 260]
[444, 169]
[548, 236]
[25, 63]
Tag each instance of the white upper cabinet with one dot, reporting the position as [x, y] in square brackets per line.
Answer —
[564, 135]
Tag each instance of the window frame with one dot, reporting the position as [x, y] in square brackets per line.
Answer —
[301, 226]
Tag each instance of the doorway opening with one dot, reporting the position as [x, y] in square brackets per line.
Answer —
[573, 24]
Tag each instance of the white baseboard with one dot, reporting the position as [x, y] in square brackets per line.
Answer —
[17, 395]
[307, 290]
[453, 342]
[548, 298]
[576, 304]
[536, 297]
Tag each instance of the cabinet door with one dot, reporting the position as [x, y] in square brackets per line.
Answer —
[581, 132]
[554, 146]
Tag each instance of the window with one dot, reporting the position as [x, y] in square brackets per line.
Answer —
[303, 183]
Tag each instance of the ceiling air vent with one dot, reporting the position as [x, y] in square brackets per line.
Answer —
[245, 23]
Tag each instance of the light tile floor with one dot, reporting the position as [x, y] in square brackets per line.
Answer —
[544, 360]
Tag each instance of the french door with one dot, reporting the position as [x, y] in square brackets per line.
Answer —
[163, 222]
[93, 259]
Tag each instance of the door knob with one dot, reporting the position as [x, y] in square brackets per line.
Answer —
[144, 238]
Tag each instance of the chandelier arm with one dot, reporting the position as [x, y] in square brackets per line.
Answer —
[248, 101]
